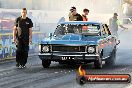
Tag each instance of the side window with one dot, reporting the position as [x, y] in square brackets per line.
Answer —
[103, 31]
[106, 29]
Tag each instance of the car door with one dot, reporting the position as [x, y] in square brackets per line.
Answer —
[112, 40]
[109, 40]
[106, 39]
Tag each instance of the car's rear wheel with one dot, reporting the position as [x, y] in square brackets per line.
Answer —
[98, 63]
[111, 60]
[46, 63]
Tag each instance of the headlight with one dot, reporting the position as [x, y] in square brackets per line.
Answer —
[91, 49]
[45, 49]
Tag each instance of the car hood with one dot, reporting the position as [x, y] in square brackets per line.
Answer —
[73, 39]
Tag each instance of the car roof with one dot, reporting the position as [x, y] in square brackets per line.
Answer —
[79, 22]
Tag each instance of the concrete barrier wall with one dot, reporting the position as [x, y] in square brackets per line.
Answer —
[7, 49]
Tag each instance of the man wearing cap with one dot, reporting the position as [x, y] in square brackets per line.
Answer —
[74, 16]
[71, 17]
[113, 25]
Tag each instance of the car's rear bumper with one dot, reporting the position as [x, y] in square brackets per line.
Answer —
[68, 56]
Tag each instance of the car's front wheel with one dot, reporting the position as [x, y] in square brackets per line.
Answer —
[111, 60]
[98, 63]
[46, 63]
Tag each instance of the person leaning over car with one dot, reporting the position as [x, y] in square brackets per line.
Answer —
[22, 36]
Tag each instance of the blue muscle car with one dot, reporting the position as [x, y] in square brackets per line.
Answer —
[79, 42]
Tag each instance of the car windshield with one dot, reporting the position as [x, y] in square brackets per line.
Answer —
[88, 29]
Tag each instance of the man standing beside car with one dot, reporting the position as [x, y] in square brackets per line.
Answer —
[22, 36]
[113, 25]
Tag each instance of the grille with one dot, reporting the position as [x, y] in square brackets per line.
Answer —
[68, 48]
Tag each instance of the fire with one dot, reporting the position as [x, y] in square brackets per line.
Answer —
[81, 71]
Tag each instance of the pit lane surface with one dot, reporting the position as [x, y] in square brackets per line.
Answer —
[58, 76]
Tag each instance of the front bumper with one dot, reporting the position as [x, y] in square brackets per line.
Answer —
[57, 56]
